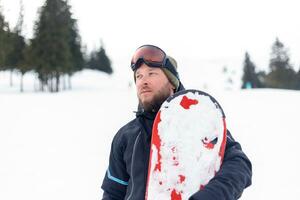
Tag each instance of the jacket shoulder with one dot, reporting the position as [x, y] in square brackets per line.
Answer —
[128, 131]
[130, 128]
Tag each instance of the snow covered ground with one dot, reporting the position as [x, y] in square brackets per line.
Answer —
[56, 146]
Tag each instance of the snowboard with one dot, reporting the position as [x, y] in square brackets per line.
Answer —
[187, 145]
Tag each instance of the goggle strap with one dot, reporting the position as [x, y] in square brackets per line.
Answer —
[168, 65]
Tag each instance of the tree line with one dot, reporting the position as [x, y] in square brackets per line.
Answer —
[281, 73]
[54, 53]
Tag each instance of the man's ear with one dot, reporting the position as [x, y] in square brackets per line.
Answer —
[173, 89]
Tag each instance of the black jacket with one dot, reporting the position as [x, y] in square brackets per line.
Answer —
[126, 175]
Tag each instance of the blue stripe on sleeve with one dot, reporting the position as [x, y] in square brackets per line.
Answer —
[115, 179]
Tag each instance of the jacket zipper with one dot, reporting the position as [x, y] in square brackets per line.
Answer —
[131, 169]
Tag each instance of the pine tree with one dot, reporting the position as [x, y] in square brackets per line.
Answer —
[281, 75]
[100, 61]
[4, 41]
[56, 48]
[16, 57]
[279, 56]
[75, 45]
[298, 80]
[250, 78]
[77, 61]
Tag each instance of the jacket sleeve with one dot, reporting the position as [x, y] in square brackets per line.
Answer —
[232, 178]
[116, 178]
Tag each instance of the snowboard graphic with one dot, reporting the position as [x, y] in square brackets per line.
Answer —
[187, 146]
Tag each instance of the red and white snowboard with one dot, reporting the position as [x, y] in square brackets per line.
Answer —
[187, 146]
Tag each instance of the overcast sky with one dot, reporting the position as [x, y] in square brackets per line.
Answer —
[197, 33]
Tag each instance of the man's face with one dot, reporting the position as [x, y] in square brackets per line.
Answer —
[153, 87]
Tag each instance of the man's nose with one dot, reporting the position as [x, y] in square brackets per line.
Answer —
[144, 80]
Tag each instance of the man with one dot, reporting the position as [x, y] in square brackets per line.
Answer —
[156, 79]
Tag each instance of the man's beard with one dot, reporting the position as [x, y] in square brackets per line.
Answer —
[158, 99]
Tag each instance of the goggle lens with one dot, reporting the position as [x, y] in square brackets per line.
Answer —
[152, 56]
[149, 54]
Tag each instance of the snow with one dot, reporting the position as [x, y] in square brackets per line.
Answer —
[56, 146]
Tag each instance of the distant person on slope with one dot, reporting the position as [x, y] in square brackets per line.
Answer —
[156, 78]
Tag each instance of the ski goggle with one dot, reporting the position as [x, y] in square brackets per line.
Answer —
[152, 56]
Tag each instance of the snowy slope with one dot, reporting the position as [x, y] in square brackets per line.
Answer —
[56, 146]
